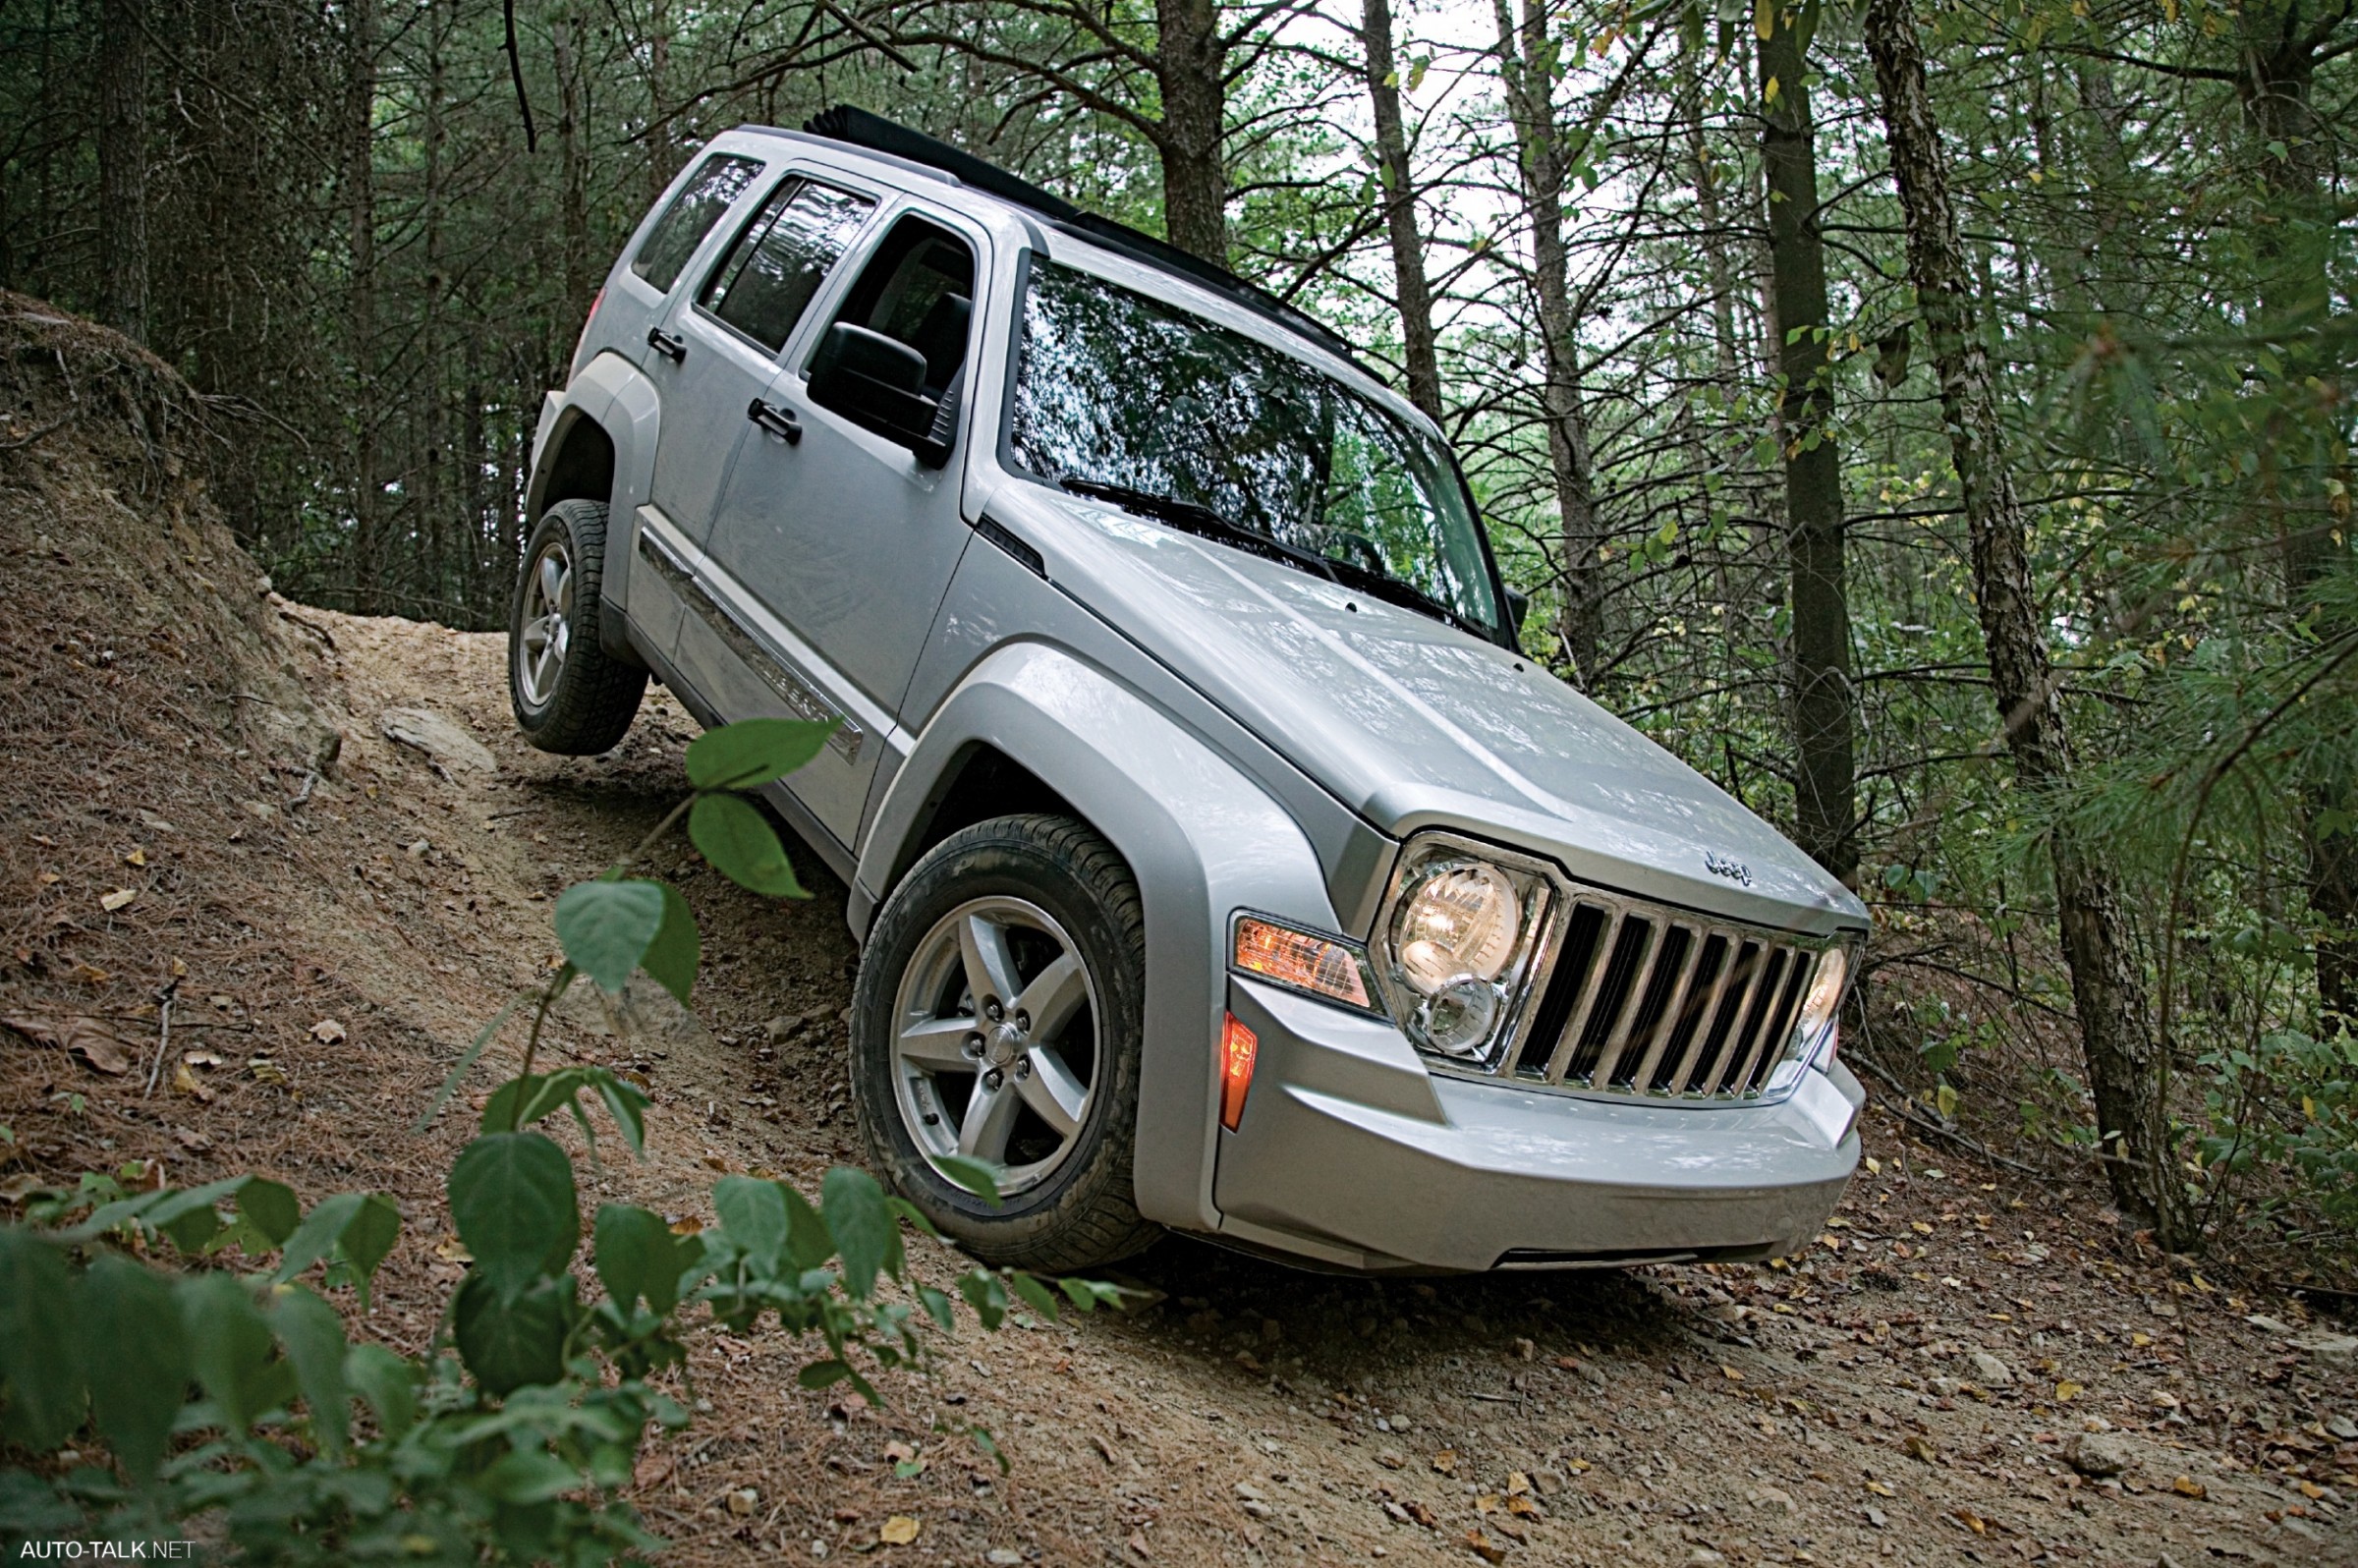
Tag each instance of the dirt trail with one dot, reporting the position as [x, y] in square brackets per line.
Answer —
[332, 932]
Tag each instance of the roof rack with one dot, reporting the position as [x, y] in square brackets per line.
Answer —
[861, 129]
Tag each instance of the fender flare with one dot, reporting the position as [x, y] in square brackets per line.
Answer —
[613, 394]
[1202, 839]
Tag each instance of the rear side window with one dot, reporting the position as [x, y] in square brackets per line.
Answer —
[717, 183]
[777, 265]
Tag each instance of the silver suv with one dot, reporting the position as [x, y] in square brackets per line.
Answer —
[1220, 861]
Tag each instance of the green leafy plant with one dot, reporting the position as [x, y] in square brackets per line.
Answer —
[229, 1395]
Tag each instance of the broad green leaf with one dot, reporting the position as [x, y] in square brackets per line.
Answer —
[753, 751]
[389, 1384]
[823, 1373]
[270, 1209]
[229, 1345]
[985, 1293]
[512, 1344]
[606, 927]
[31, 1511]
[523, 1475]
[971, 1174]
[137, 1357]
[638, 1257]
[866, 1234]
[808, 1242]
[314, 1337]
[1037, 1296]
[512, 1199]
[734, 835]
[671, 959]
[40, 1361]
[626, 1102]
[189, 1216]
[370, 1235]
[754, 1214]
[938, 1306]
[315, 1235]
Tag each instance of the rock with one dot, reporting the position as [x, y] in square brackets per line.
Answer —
[1003, 1556]
[2340, 1348]
[438, 738]
[1992, 1373]
[1775, 1499]
[2269, 1326]
[2098, 1454]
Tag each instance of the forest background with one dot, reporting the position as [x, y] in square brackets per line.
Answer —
[1932, 421]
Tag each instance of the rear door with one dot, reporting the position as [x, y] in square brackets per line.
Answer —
[841, 544]
[720, 343]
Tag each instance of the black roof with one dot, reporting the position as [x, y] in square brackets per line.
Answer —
[860, 129]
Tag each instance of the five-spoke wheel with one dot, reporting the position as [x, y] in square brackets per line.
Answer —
[997, 1047]
[996, 1020]
[570, 693]
[542, 639]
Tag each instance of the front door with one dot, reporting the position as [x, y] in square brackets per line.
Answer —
[843, 536]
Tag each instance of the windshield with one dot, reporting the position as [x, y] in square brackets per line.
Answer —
[1120, 393]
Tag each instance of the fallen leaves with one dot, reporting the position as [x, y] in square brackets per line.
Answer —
[328, 1032]
[2188, 1486]
[1445, 1461]
[88, 1039]
[1483, 1546]
[898, 1530]
[120, 896]
[186, 1083]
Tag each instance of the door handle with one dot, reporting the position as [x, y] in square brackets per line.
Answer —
[663, 342]
[776, 421]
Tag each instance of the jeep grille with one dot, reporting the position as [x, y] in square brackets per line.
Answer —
[1644, 999]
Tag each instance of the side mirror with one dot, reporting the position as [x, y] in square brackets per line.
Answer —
[878, 384]
[1518, 605]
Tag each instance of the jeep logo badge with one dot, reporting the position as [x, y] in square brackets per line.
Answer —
[1733, 871]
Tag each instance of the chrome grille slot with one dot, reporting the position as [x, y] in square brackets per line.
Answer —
[1646, 1000]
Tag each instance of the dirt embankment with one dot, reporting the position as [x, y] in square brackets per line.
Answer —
[1971, 1365]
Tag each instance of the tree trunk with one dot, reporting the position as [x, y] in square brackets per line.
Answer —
[573, 197]
[662, 160]
[2278, 68]
[2123, 1066]
[1526, 67]
[360, 197]
[1414, 291]
[123, 167]
[1190, 66]
[433, 489]
[1824, 784]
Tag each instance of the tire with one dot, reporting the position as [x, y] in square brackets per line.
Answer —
[1050, 887]
[582, 702]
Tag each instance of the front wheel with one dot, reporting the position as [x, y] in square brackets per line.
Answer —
[570, 694]
[997, 1018]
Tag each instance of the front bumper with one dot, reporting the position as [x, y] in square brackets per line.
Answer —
[1351, 1154]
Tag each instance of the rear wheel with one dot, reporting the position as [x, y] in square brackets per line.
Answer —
[997, 1018]
[570, 694]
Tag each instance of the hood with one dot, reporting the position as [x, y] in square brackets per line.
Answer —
[1415, 725]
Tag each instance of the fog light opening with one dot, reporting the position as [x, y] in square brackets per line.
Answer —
[1238, 1047]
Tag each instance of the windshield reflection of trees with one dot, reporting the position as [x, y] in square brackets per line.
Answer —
[1118, 388]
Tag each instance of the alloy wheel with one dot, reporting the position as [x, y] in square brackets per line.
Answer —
[995, 1049]
[547, 633]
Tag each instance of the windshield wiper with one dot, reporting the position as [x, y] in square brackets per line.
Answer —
[1393, 591]
[1197, 519]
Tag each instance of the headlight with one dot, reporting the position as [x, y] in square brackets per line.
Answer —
[1457, 943]
[1819, 1009]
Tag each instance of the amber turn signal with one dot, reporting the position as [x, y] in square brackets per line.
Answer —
[1306, 963]
[1239, 1047]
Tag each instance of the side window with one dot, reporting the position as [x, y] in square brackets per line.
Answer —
[707, 193]
[768, 277]
[919, 288]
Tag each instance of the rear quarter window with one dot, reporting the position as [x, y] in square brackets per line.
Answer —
[709, 193]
